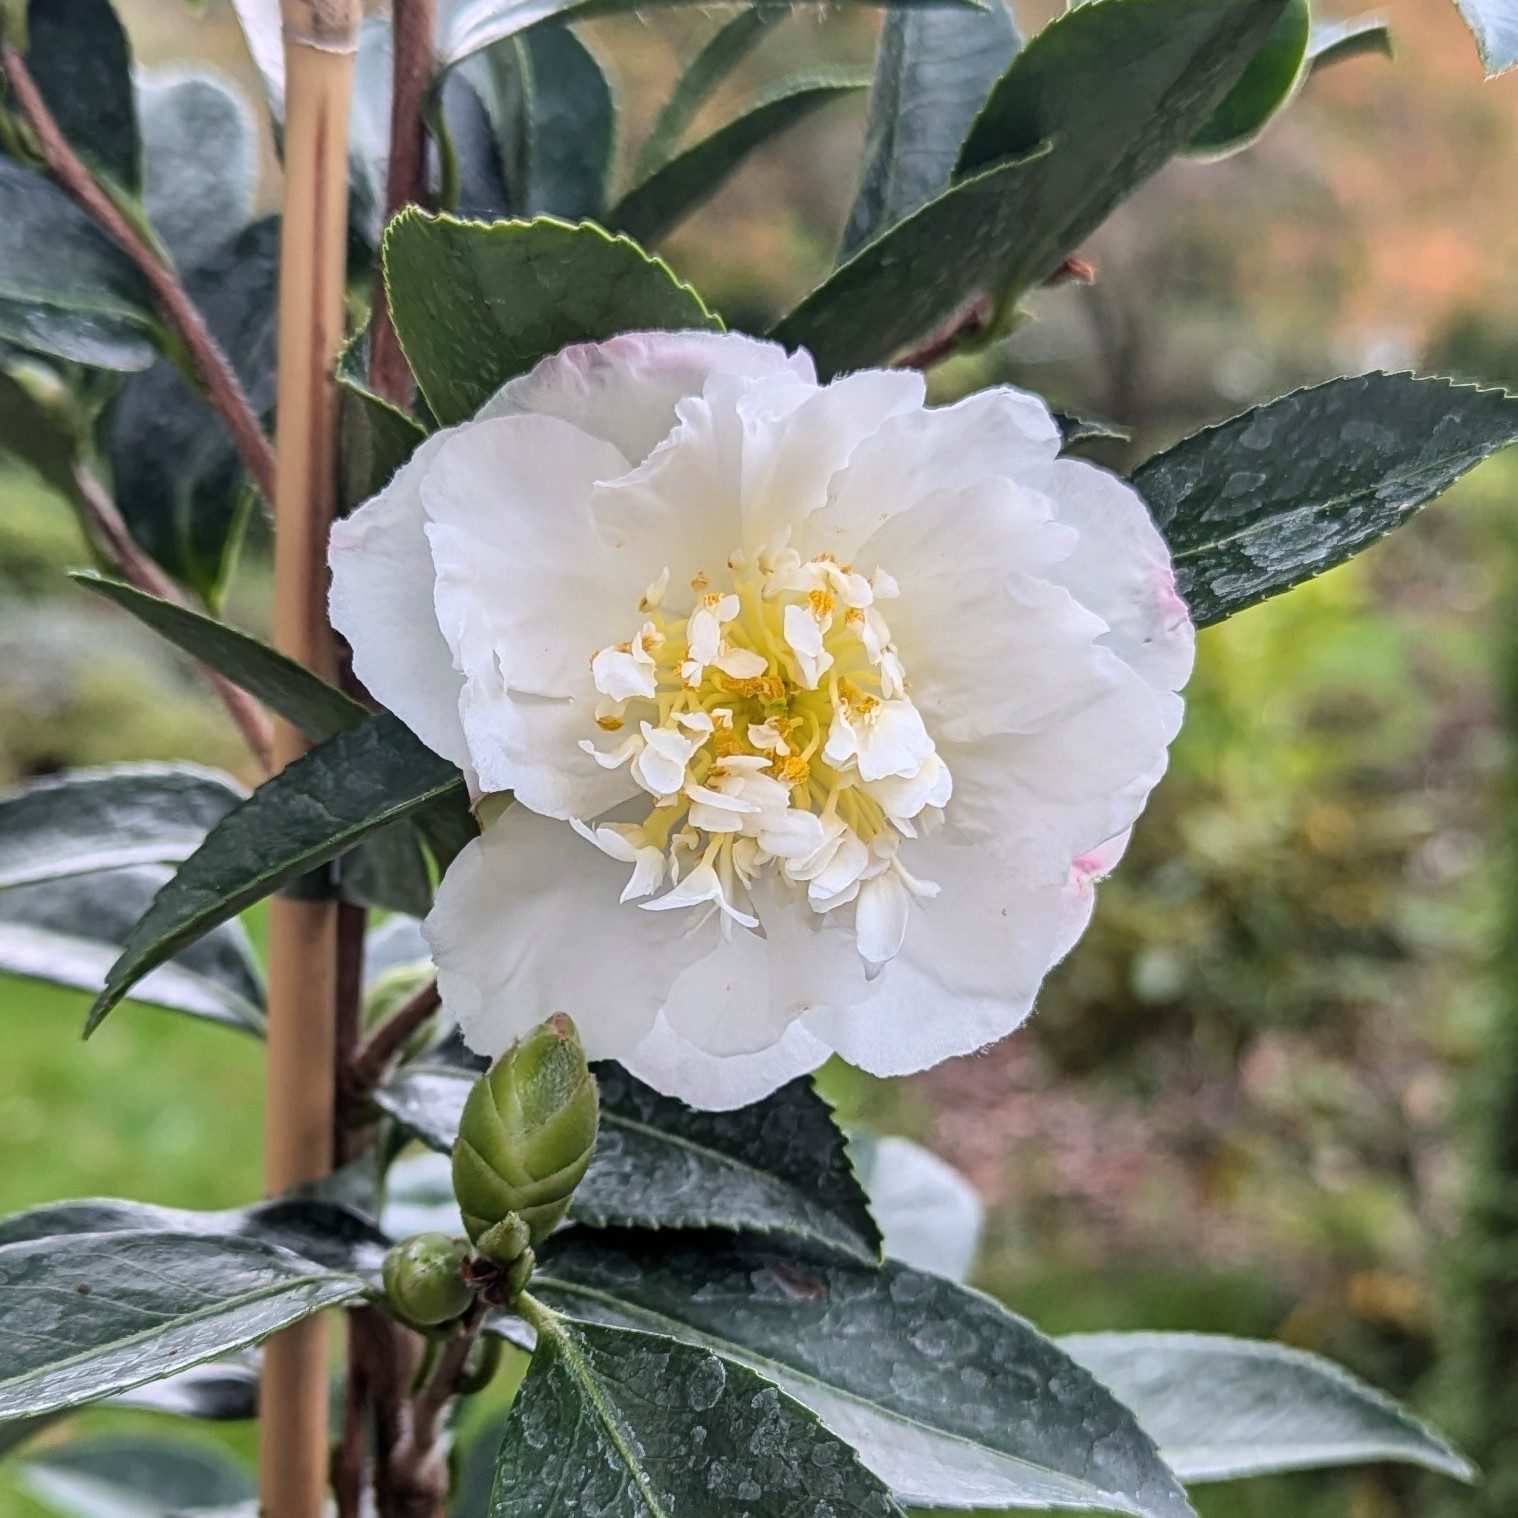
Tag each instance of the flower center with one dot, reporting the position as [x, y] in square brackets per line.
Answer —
[772, 728]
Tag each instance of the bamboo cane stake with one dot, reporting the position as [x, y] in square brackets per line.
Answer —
[320, 39]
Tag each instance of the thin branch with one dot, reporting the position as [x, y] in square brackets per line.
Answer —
[387, 1040]
[352, 921]
[222, 387]
[413, 23]
[429, 1403]
[117, 544]
[966, 323]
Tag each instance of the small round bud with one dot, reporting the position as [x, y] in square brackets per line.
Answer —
[503, 1243]
[528, 1133]
[424, 1280]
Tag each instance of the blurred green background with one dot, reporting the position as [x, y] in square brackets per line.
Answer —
[1275, 1090]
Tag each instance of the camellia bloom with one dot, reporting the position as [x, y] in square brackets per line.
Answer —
[822, 708]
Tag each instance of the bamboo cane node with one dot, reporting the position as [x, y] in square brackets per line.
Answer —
[329, 25]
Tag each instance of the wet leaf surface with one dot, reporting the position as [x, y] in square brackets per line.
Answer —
[1276, 496]
[1221, 1408]
[947, 1396]
[100, 1313]
[643, 1427]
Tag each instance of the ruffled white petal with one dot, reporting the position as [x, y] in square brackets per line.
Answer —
[381, 602]
[528, 922]
[625, 390]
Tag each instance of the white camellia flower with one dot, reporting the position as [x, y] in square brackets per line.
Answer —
[822, 708]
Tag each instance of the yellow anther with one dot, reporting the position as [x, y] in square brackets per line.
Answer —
[821, 602]
[793, 770]
[854, 616]
[609, 724]
[766, 688]
[711, 598]
[700, 580]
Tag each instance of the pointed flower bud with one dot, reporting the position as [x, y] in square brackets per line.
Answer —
[526, 1137]
[424, 1279]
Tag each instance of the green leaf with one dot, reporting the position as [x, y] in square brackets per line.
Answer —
[567, 126]
[385, 870]
[65, 288]
[321, 1232]
[476, 304]
[81, 62]
[200, 161]
[722, 52]
[1264, 89]
[133, 1477]
[312, 811]
[69, 933]
[376, 439]
[1276, 496]
[1494, 24]
[100, 819]
[949, 1399]
[37, 432]
[1039, 170]
[930, 1214]
[933, 70]
[1222, 1408]
[142, 1306]
[179, 479]
[692, 177]
[1338, 41]
[303, 699]
[646, 1427]
[778, 1168]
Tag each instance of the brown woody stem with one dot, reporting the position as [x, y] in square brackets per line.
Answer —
[387, 1040]
[413, 24]
[223, 390]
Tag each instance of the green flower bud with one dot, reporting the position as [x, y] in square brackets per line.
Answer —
[527, 1134]
[519, 1274]
[424, 1280]
[505, 1242]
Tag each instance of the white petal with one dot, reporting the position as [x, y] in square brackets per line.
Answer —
[893, 741]
[994, 434]
[969, 969]
[527, 923]
[625, 390]
[679, 1068]
[1121, 569]
[881, 917]
[381, 603]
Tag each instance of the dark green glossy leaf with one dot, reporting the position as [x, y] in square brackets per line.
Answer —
[1334, 42]
[948, 1398]
[690, 178]
[377, 438]
[476, 304]
[722, 52]
[179, 480]
[65, 288]
[315, 809]
[69, 933]
[321, 1232]
[109, 1311]
[37, 432]
[1494, 24]
[1265, 87]
[1039, 170]
[129, 1476]
[778, 1168]
[568, 127]
[100, 819]
[1223, 1408]
[1276, 496]
[200, 162]
[645, 1427]
[303, 699]
[933, 70]
[385, 870]
[79, 57]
